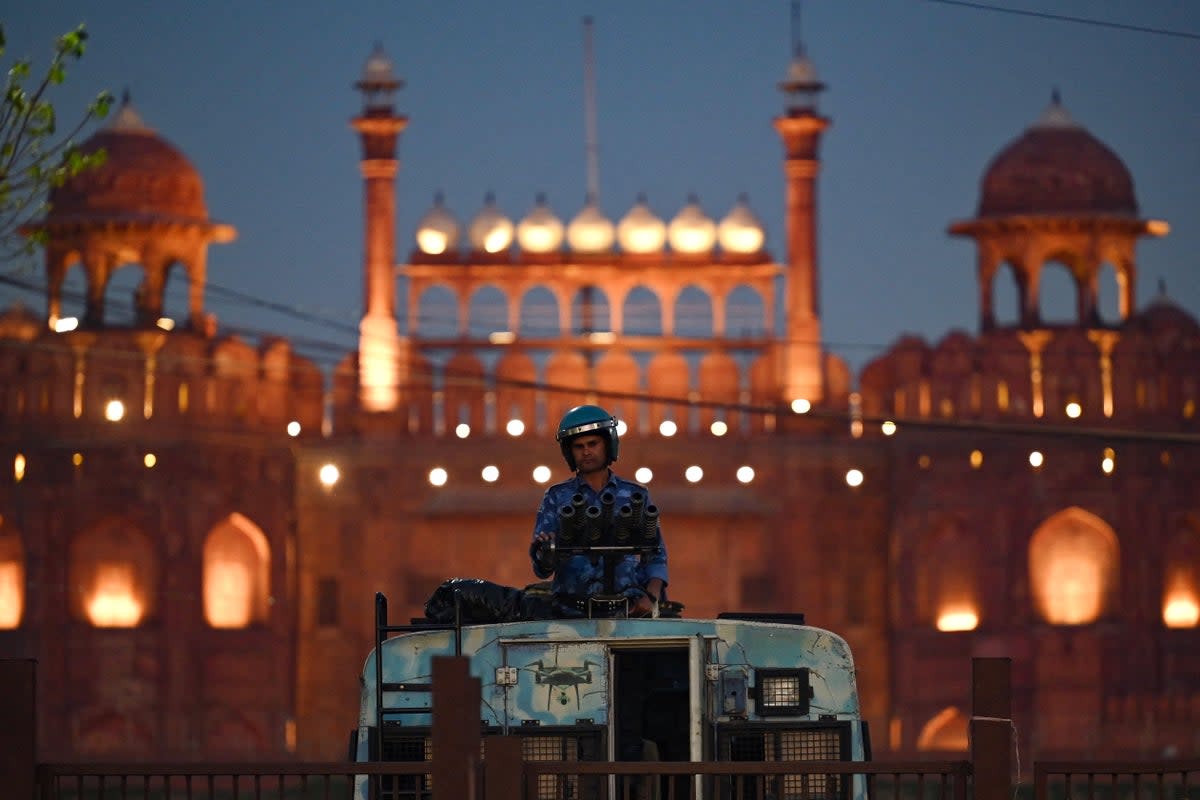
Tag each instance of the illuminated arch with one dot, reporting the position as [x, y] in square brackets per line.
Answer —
[945, 731]
[12, 578]
[464, 388]
[1073, 560]
[113, 571]
[236, 574]
[617, 371]
[1181, 578]
[516, 397]
[947, 579]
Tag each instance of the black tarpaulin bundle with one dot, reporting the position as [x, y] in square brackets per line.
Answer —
[482, 601]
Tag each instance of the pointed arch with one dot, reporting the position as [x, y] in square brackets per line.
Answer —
[516, 392]
[1073, 565]
[113, 572]
[567, 370]
[1181, 578]
[719, 381]
[948, 578]
[668, 376]
[465, 387]
[618, 372]
[945, 731]
[236, 574]
[12, 578]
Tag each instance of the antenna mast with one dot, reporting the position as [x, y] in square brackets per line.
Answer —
[797, 42]
[591, 151]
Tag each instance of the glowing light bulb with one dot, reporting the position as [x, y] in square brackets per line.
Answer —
[462, 430]
[745, 474]
[719, 428]
[541, 473]
[1074, 410]
[801, 405]
[150, 460]
[643, 475]
[329, 474]
[668, 428]
[515, 427]
[693, 473]
[490, 473]
[888, 428]
[293, 428]
[114, 411]
[622, 428]
[1036, 459]
[438, 476]
[854, 477]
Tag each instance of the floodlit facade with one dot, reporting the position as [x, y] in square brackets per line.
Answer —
[195, 574]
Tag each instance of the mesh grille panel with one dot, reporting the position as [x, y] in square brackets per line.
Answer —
[818, 742]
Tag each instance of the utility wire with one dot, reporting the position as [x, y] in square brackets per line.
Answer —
[1100, 23]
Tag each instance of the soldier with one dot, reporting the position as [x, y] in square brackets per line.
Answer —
[589, 441]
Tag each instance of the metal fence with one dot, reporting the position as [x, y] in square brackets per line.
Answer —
[1083, 780]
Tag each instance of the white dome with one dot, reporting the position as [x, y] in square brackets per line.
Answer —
[591, 231]
[490, 231]
[692, 231]
[741, 231]
[437, 232]
[640, 231]
[540, 231]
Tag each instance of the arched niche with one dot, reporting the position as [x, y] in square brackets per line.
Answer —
[113, 575]
[1181, 577]
[945, 731]
[947, 571]
[539, 317]
[642, 313]
[487, 312]
[694, 313]
[617, 371]
[720, 381]
[1073, 567]
[516, 392]
[668, 382]
[236, 574]
[12, 577]
[745, 313]
[437, 313]
[465, 387]
[566, 379]
[590, 311]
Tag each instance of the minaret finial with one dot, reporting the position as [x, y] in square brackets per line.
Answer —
[797, 38]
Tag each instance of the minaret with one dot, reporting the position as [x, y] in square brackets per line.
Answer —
[382, 359]
[800, 127]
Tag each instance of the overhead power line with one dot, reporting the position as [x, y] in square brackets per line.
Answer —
[1100, 23]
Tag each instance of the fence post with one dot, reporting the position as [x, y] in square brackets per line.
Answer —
[992, 730]
[18, 727]
[456, 738]
[502, 768]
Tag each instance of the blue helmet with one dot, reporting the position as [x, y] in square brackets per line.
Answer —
[587, 419]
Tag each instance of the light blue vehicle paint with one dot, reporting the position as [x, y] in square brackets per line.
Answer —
[733, 689]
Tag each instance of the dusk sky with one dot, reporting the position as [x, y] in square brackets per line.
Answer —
[922, 95]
